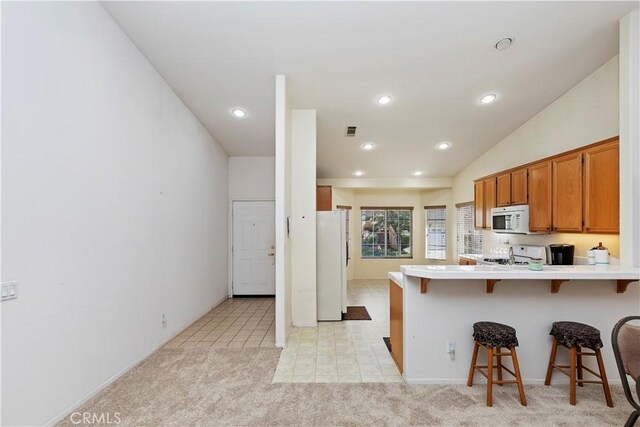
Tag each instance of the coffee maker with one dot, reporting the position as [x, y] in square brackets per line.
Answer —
[561, 254]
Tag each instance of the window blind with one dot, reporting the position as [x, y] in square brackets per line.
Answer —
[468, 239]
[435, 232]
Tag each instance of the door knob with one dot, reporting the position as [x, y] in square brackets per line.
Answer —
[271, 253]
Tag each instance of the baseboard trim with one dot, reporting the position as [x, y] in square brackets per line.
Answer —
[305, 325]
[253, 296]
[123, 371]
[460, 381]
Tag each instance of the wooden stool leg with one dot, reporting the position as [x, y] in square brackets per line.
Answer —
[499, 350]
[516, 370]
[474, 358]
[489, 376]
[605, 383]
[572, 381]
[552, 360]
[580, 372]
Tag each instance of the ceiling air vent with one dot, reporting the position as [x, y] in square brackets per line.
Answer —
[350, 131]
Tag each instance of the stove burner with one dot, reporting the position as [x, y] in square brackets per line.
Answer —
[504, 261]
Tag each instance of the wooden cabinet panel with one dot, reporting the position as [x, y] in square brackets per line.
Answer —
[489, 199]
[602, 189]
[519, 187]
[567, 192]
[395, 323]
[504, 189]
[478, 203]
[323, 198]
[577, 191]
[484, 200]
[539, 189]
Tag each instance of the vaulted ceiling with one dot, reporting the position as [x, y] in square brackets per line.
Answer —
[436, 59]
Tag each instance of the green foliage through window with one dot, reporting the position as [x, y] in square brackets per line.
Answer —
[386, 233]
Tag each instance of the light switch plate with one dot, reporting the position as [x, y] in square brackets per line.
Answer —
[9, 290]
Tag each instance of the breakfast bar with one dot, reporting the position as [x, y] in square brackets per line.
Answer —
[441, 303]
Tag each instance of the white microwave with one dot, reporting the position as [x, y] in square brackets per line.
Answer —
[510, 219]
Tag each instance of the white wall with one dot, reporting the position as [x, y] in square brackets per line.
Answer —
[283, 304]
[252, 178]
[114, 208]
[630, 138]
[585, 114]
[303, 217]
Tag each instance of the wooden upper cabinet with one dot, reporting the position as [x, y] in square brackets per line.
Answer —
[602, 189]
[323, 198]
[567, 192]
[489, 199]
[503, 197]
[576, 191]
[539, 189]
[519, 187]
[478, 203]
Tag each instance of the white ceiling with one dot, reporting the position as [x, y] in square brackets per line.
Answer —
[436, 60]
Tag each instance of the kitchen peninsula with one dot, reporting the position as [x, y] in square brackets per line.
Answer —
[441, 303]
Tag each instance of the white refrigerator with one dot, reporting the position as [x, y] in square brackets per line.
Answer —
[331, 264]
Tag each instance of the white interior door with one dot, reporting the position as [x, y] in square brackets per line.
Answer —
[254, 248]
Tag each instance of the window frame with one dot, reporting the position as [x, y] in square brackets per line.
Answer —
[472, 231]
[386, 209]
[347, 210]
[443, 249]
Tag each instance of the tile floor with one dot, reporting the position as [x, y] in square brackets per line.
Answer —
[237, 322]
[349, 351]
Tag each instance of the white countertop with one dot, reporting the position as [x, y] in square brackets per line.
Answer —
[396, 277]
[567, 272]
[477, 257]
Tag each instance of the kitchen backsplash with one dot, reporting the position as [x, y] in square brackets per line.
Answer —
[494, 244]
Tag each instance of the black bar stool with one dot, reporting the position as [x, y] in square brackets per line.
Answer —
[494, 337]
[574, 336]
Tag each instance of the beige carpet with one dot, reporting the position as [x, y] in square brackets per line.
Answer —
[220, 386]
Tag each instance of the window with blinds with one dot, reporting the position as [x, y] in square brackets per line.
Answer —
[468, 239]
[435, 232]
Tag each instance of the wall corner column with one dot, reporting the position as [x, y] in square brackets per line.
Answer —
[303, 218]
[629, 85]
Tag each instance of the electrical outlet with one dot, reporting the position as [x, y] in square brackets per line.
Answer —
[9, 290]
[164, 320]
[451, 349]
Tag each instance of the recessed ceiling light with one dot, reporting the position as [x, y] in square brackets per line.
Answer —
[443, 146]
[238, 112]
[358, 173]
[488, 99]
[504, 43]
[384, 99]
[417, 173]
[367, 146]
